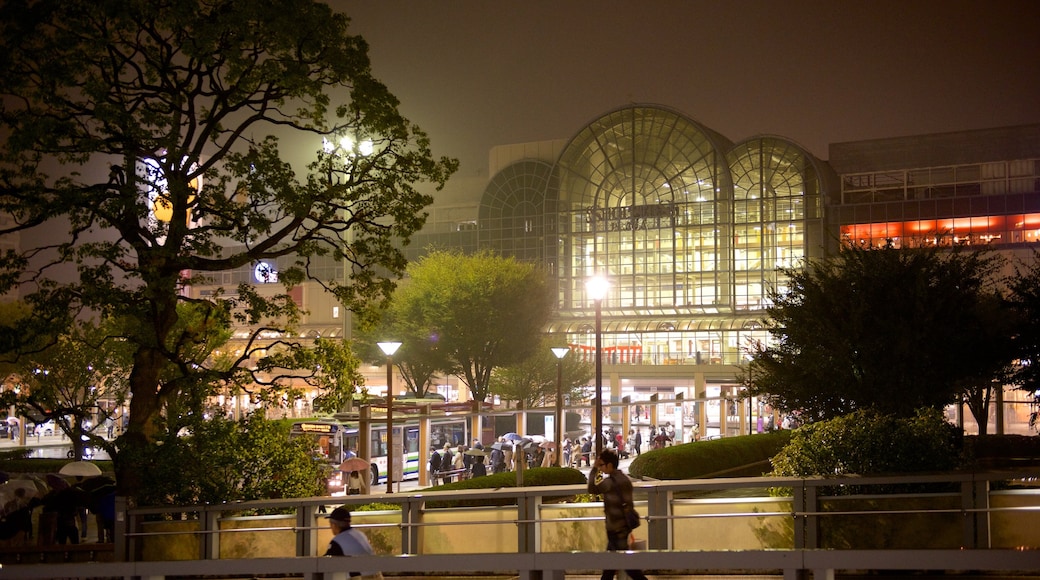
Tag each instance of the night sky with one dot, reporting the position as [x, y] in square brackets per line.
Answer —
[475, 74]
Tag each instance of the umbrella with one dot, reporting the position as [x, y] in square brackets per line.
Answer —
[30, 487]
[56, 481]
[354, 464]
[512, 437]
[80, 469]
[475, 452]
[501, 446]
[548, 445]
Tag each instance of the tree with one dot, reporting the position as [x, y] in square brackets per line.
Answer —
[77, 382]
[532, 381]
[470, 313]
[895, 330]
[149, 127]
[1024, 300]
[419, 360]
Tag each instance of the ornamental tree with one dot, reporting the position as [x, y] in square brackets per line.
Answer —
[894, 330]
[470, 314]
[140, 147]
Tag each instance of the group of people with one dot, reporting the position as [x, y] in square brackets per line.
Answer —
[64, 509]
[447, 463]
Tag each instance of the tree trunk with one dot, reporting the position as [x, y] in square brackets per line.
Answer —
[142, 426]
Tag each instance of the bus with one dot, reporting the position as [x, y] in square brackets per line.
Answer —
[336, 440]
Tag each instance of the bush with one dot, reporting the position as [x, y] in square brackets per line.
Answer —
[533, 477]
[867, 442]
[746, 455]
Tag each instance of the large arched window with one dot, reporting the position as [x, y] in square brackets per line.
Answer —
[640, 193]
[512, 211]
[776, 206]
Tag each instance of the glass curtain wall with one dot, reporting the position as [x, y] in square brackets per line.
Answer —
[688, 229]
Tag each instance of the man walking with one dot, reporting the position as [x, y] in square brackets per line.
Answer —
[347, 541]
[616, 489]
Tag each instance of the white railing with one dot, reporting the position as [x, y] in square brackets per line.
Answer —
[791, 564]
[975, 538]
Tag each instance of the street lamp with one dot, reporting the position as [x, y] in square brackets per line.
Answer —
[389, 348]
[560, 352]
[596, 287]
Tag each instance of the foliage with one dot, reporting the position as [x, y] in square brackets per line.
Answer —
[867, 442]
[152, 131]
[533, 477]
[332, 368]
[1024, 300]
[78, 382]
[891, 329]
[532, 381]
[469, 315]
[703, 458]
[220, 460]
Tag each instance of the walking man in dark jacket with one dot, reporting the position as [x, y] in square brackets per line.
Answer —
[616, 489]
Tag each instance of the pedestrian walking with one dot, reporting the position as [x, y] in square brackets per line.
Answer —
[616, 489]
[348, 541]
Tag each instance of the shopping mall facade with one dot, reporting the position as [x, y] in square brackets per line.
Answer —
[692, 229]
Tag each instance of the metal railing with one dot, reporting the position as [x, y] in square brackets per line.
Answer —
[807, 517]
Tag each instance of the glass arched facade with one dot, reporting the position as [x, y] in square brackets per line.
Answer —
[688, 228]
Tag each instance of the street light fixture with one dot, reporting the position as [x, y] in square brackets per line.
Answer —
[596, 287]
[560, 352]
[389, 348]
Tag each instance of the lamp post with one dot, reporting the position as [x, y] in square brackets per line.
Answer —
[560, 352]
[596, 287]
[389, 348]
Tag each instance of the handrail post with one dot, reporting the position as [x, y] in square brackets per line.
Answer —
[526, 516]
[209, 520]
[659, 529]
[411, 517]
[806, 522]
[306, 531]
[119, 537]
[975, 532]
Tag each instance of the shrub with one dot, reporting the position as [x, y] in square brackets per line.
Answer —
[747, 455]
[867, 442]
[533, 477]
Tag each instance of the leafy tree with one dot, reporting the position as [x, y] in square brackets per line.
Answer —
[419, 360]
[895, 330]
[68, 382]
[1024, 300]
[471, 313]
[333, 369]
[148, 127]
[532, 381]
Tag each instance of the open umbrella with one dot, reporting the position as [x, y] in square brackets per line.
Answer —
[56, 482]
[354, 464]
[80, 469]
[475, 452]
[512, 437]
[547, 445]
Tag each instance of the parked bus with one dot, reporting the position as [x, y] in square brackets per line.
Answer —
[336, 440]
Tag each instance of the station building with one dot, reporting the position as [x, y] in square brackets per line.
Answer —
[691, 228]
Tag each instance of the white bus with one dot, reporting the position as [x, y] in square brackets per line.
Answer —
[336, 440]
